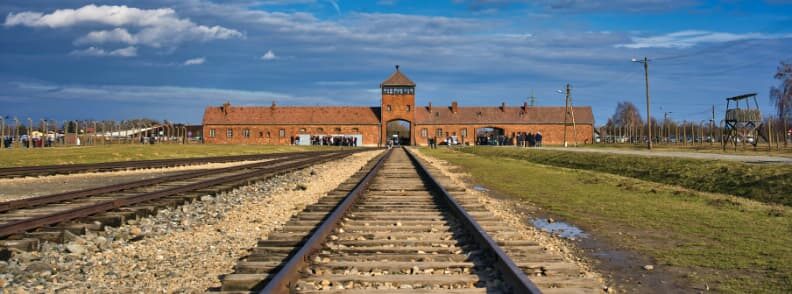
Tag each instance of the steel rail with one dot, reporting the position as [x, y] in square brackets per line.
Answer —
[286, 277]
[511, 273]
[20, 226]
[66, 168]
[72, 195]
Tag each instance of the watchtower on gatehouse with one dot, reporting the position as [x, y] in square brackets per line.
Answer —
[398, 109]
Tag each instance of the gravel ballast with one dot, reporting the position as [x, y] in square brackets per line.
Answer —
[183, 249]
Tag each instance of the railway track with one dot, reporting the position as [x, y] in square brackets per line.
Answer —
[26, 222]
[394, 227]
[45, 170]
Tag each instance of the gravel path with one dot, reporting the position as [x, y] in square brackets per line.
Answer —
[179, 250]
[20, 188]
[682, 154]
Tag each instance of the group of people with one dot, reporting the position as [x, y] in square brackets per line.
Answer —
[529, 140]
[29, 141]
[333, 140]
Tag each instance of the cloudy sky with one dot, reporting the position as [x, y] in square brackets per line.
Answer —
[168, 59]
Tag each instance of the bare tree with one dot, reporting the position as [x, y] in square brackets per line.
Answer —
[627, 115]
[781, 97]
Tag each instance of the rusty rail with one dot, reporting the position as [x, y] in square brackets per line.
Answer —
[107, 166]
[284, 280]
[72, 195]
[57, 217]
[511, 273]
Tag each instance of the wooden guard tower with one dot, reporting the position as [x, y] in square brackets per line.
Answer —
[743, 120]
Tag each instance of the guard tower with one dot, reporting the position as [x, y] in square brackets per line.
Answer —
[743, 120]
[397, 112]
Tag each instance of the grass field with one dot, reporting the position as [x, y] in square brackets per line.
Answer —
[770, 183]
[108, 153]
[734, 244]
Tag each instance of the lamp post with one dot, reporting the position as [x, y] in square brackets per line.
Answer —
[666, 129]
[645, 63]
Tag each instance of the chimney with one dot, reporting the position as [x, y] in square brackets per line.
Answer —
[430, 107]
[273, 105]
[225, 107]
[503, 106]
[454, 107]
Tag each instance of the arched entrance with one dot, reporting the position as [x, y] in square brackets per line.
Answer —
[490, 136]
[399, 131]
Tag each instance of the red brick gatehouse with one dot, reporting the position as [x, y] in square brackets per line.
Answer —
[397, 114]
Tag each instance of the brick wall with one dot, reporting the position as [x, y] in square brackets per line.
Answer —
[551, 134]
[271, 134]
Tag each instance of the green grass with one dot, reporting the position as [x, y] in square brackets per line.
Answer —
[771, 183]
[109, 153]
[733, 244]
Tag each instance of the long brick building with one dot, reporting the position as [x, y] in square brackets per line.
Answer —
[396, 115]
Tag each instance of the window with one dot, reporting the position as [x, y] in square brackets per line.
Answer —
[229, 133]
[389, 108]
[338, 130]
[355, 130]
[439, 132]
[261, 134]
[246, 133]
[320, 130]
[463, 132]
[212, 133]
[424, 132]
[282, 132]
[268, 134]
[408, 107]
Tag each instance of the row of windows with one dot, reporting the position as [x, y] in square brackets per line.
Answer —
[281, 132]
[389, 108]
[246, 133]
[398, 90]
[321, 130]
[439, 132]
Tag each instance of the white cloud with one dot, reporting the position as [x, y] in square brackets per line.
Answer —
[690, 38]
[269, 55]
[195, 61]
[96, 51]
[154, 27]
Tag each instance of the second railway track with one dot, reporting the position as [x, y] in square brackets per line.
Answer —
[45, 170]
[395, 228]
[24, 222]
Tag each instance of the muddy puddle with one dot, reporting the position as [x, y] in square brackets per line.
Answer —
[558, 228]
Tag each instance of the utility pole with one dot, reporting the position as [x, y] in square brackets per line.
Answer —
[645, 63]
[569, 114]
[712, 126]
[566, 113]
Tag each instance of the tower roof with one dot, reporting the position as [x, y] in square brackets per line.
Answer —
[397, 78]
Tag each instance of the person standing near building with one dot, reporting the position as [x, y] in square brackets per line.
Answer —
[539, 139]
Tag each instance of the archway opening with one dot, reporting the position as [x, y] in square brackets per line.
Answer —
[490, 136]
[398, 131]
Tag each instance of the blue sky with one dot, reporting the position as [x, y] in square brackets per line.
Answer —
[169, 59]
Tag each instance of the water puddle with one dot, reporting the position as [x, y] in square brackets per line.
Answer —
[562, 229]
[480, 188]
